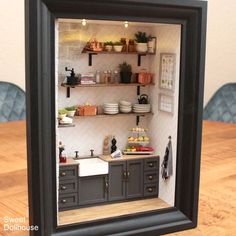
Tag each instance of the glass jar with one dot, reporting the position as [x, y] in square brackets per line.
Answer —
[105, 77]
[116, 77]
[98, 77]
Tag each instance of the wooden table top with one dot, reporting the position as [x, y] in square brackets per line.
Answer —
[217, 215]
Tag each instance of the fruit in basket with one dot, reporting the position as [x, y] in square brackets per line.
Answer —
[146, 139]
[140, 138]
[133, 150]
[130, 139]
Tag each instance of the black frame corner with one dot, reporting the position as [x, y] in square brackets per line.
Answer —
[40, 90]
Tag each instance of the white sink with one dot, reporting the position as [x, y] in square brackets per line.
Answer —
[92, 166]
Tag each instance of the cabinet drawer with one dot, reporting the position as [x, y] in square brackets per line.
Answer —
[68, 200]
[151, 164]
[68, 186]
[151, 190]
[68, 172]
[151, 176]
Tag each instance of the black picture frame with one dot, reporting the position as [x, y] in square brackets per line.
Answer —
[41, 123]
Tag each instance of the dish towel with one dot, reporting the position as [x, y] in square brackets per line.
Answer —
[167, 164]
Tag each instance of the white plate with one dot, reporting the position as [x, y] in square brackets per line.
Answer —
[111, 104]
[142, 105]
[111, 113]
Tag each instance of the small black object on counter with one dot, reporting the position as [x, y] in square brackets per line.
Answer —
[72, 79]
[113, 145]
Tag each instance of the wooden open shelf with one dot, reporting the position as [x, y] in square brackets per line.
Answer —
[116, 115]
[92, 53]
[68, 87]
[65, 125]
[113, 52]
[105, 85]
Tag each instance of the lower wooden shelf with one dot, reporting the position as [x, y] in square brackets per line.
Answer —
[116, 115]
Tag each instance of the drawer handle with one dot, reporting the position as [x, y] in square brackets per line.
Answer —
[63, 187]
[63, 200]
[63, 173]
[150, 190]
[151, 165]
[124, 176]
[150, 177]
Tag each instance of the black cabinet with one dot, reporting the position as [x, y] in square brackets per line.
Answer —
[68, 187]
[131, 179]
[93, 189]
[117, 180]
[134, 186]
[125, 179]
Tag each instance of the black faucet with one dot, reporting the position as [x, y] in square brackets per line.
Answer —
[76, 155]
[91, 150]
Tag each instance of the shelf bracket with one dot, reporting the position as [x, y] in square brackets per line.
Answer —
[139, 58]
[90, 62]
[137, 120]
[138, 90]
[68, 92]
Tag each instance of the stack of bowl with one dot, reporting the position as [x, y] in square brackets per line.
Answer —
[125, 107]
[110, 108]
[141, 108]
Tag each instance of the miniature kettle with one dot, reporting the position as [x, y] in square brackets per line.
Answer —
[143, 99]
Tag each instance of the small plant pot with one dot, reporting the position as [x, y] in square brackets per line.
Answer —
[108, 48]
[125, 77]
[61, 116]
[141, 47]
[71, 113]
[118, 48]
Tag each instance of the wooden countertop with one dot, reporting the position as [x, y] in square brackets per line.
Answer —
[108, 158]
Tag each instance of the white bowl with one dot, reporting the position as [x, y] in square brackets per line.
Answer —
[124, 103]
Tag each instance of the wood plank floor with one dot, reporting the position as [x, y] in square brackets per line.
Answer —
[110, 210]
[217, 209]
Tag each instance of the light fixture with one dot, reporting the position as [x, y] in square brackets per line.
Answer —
[126, 23]
[84, 22]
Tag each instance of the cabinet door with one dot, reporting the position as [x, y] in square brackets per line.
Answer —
[134, 186]
[93, 189]
[117, 178]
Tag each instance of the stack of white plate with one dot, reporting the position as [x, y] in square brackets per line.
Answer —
[111, 108]
[141, 108]
[125, 107]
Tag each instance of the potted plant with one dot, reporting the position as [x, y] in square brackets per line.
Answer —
[62, 113]
[118, 46]
[125, 72]
[141, 40]
[108, 45]
[71, 111]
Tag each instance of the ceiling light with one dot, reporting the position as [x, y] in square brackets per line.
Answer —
[126, 24]
[84, 22]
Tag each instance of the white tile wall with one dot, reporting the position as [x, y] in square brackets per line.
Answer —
[90, 132]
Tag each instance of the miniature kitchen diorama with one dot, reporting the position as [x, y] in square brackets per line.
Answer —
[117, 94]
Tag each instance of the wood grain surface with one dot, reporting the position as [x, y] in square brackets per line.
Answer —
[217, 208]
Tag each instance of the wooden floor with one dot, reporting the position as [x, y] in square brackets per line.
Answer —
[110, 210]
[217, 209]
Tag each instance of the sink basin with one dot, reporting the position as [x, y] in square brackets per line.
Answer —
[92, 166]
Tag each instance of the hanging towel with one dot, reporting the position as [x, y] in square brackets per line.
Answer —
[167, 164]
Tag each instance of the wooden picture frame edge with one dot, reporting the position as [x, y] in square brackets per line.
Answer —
[40, 91]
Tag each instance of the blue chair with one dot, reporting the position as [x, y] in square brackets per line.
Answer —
[12, 102]
[222, 106]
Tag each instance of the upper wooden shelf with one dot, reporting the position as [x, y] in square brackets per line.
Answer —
[113, 52]
[139, 54]
[106, 85]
